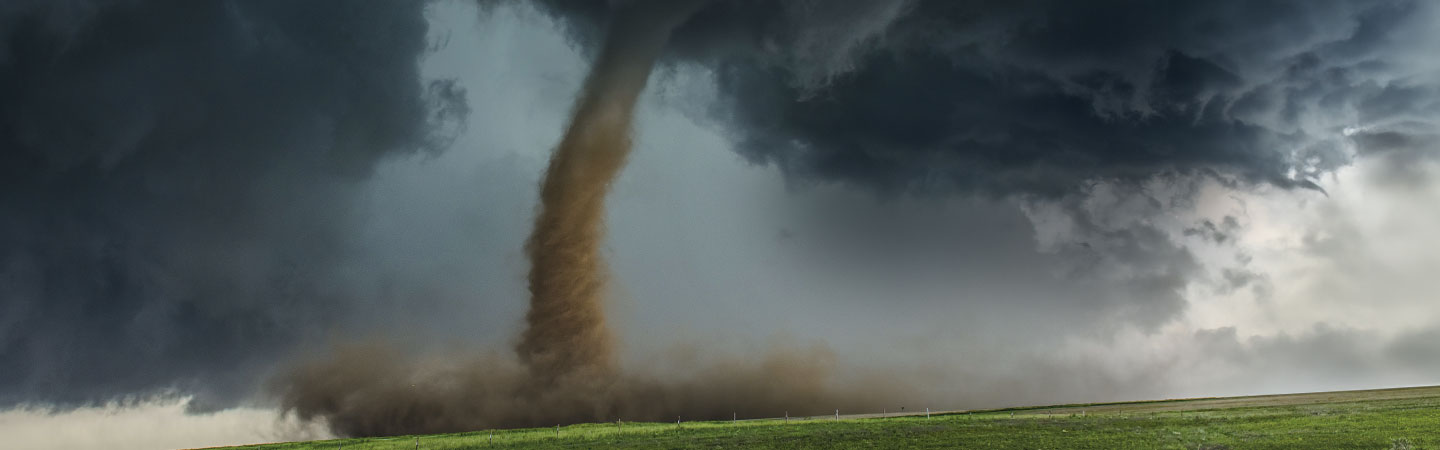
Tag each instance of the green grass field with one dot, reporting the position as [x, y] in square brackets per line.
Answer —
[1407, 418]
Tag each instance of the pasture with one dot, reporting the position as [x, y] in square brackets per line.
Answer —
[1405, 418]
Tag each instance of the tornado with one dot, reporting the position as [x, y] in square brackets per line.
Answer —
[566, 333]
[565, 368]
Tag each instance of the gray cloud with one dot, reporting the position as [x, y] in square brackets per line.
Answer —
[1042, 97]
[1234, 279]
[1324, 356]
[1143, 270]
[175, 177]
[1218, 234]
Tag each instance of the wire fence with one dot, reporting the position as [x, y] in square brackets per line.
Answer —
[639, 433]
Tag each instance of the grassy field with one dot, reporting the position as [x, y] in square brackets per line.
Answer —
[1407, 418]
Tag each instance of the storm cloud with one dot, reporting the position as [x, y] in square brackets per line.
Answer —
[1046, 97]
[174, 178]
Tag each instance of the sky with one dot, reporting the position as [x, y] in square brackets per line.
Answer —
[993, 203]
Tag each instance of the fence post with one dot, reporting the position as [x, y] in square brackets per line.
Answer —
[417, 442]
[787, 416]
[927, 413]
[557, 430]
[734, 418]
[492, 437]
[677, 422]
[837, 415]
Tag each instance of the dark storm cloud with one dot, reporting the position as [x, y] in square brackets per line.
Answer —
[1042, 97]
[174, 180]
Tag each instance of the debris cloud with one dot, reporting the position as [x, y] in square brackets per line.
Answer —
[375, 390]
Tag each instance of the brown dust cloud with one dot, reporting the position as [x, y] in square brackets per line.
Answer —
[565, 368]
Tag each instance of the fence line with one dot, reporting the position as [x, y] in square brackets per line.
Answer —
[489, 435]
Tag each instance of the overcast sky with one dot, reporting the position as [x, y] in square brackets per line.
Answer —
[1002, 203]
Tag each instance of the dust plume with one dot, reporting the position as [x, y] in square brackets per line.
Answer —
[375, 390]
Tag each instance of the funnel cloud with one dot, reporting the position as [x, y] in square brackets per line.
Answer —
[566, 333]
